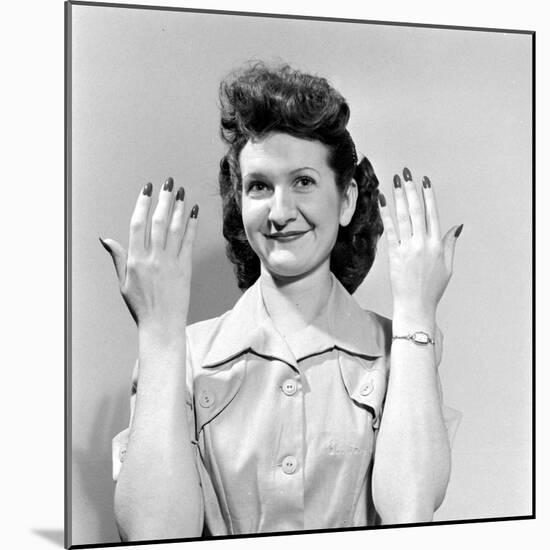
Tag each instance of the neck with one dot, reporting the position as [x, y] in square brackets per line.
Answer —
[295, 303]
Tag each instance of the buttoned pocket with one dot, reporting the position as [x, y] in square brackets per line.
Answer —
[365, 381]
[214, 389]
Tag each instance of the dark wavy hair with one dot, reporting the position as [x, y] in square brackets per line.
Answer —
[259, 99]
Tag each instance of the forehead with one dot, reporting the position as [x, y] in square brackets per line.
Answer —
[283, 152]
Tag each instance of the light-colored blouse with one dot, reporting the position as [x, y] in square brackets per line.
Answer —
[285, 438]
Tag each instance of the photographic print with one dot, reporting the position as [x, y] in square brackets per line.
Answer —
[299, 272]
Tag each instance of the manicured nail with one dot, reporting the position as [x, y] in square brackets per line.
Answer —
[148, 189]
[396, 181]
[195, 211]
[459, 230]
[180, 194]
[169, 185]
[426, 182]
[105, 245]
[382, 199]
[407, 174]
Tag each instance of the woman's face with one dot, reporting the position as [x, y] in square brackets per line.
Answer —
[291, 206]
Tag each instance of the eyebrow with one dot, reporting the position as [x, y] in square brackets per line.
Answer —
[257, 174]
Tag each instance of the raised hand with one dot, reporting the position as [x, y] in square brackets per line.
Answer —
[155, 274]
[421, 261]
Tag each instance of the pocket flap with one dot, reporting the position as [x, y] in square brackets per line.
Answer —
[214, 389]
[365, 381]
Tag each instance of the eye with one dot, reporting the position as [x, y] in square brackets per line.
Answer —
[304, 182]
[257, 187]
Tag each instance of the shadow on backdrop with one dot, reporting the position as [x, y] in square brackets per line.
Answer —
[53, 535]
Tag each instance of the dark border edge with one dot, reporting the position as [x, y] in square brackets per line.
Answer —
[533, 273]
[306, 532]
[68, 279]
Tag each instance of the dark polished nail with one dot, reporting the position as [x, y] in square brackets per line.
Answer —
[148, 189]
[426, 182]
[195, 211]
[407, 174]
[180, 194]
[396, 181]
[105, 245]
[382, 199]
[169, 185]
[459, 230]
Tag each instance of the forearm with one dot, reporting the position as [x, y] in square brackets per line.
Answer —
[412, 461]
[158, 493]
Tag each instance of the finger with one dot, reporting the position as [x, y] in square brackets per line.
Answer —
[430, 208]
[449, 245]
[401, 209]
[176, 230]
[418, 224]
[119, 257]
[138, 222]
[387, 221]
[161, 215]
[189, 236]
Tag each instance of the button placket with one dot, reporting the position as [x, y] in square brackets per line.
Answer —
[290, 451]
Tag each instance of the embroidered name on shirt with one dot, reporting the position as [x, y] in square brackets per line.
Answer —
[345, 449]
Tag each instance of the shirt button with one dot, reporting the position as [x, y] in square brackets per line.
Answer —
[366, 389]
[122, 454]
[289, 387]
[289, 464]
[206, 399]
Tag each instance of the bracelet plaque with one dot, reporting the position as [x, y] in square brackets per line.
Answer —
[419, 337]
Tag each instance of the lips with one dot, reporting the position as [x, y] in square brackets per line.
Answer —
[285, 236]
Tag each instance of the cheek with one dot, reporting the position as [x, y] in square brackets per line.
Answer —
[254, 215]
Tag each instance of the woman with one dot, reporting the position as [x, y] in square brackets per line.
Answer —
[269, 418]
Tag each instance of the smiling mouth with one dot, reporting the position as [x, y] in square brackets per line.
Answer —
[287, 236]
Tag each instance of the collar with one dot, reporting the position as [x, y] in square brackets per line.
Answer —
[249, 328]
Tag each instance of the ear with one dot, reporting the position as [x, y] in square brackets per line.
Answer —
[349, 200]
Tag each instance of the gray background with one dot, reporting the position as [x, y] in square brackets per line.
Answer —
[455, 105]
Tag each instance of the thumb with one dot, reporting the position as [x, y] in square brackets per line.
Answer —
[118, 255]
[449, 244]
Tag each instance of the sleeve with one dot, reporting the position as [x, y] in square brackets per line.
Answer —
[120, 441]
[451, 416]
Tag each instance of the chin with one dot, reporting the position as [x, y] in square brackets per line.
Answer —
[287, 269]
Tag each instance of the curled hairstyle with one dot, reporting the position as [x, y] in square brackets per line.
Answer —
[259, 99]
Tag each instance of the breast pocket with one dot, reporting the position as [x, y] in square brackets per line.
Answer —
[365, 381]
[213, 391]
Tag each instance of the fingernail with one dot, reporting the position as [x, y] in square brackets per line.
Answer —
[169, 185]
[459, 230]
[426, 182]
[396, 181]
[105, 245]
[195, 211]
[407, 174]
[382, 199]
[148, 189]
[180, 194]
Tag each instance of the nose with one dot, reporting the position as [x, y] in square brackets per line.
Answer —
[283, 207]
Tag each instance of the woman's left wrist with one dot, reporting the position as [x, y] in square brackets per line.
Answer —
[408, 319]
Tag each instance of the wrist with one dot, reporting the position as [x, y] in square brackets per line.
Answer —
[408, 320]
[166, 335]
